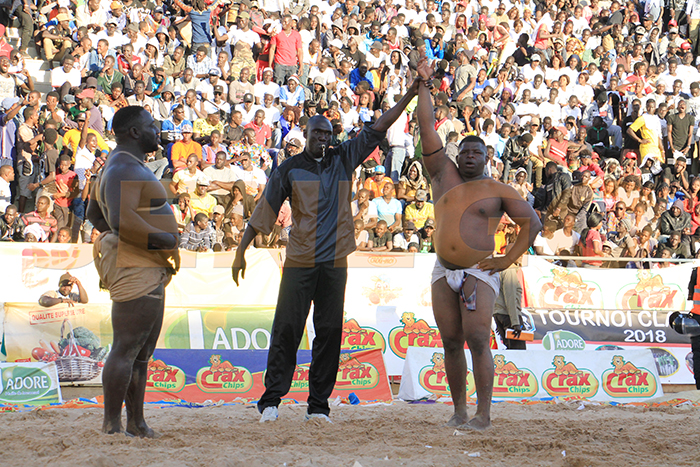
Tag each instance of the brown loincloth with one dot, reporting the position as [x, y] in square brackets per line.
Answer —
[147, 270]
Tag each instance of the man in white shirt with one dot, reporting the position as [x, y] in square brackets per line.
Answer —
[565, 238]
[253, 177]
[112, 35]
[272, 113]
[533, 68]
[65, 74]
[526, 109]
[551, 109]
[324, 71]
[248, 109]
[221, 179]
[396, 136]
[541, 243]
[206, 87]
[91, 16]
[266, 86]
[7, 175]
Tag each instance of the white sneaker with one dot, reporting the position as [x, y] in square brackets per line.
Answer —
[270, 414]
[317, 416]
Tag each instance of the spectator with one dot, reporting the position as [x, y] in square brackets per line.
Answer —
[407, 236]
[183, 211]
[420, 210]
[40, 217]
[592, 242]
[198, 235]
[286, 54]
[566, 238]
[11, 225]
[380, 238]
[185, 181]
[253, 177]
[426, 235]
[678, 248]
[201, 200]
[673, 220]
[389, 208]
[65, 293]
[376, 183]
[364, 210]
[543, 239]
[410, 183]
[183, 149]
[361, 236]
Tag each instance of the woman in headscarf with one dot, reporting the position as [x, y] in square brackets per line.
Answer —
[411, 182]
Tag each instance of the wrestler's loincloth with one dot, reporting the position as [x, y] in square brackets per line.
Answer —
[147, 272]
[456, 278]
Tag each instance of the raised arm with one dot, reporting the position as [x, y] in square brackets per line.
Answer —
[390, 116]
[433, 151]
[84, 132]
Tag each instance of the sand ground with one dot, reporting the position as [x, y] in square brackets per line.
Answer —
[568, 434]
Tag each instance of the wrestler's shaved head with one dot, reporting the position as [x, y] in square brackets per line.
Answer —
[133, 125]
[127, 118]
[473, 139]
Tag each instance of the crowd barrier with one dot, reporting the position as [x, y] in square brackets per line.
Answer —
[388, 306]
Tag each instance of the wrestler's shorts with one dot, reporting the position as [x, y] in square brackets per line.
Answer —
[456, 278]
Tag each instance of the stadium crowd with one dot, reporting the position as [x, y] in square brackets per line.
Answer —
[589, 110]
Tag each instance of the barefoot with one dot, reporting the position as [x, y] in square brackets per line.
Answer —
[477, 423]
[141, 431]
[457, 420]
[112, 428]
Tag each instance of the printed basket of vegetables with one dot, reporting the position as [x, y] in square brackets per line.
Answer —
[80, 357]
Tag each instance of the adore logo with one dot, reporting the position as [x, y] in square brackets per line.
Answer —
[650, 293]
[356, 337]
[354, 374]
[568, 290]
[414, 333]
[433, 378]
[565, 379]
[163, 377]
[563, 340]
[24, 384]
[624, 379]
[511, 381]
[300, 380]
[222, 376]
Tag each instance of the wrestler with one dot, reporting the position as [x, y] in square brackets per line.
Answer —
[319, 183]
[135, 256]
[465, 282]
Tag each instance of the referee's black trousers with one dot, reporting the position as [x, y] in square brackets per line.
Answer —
[324, 284]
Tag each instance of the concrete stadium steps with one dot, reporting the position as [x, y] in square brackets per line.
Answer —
[38, 68]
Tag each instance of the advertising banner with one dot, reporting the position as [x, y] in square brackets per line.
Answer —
[38, 334]
[387, 306]
[572, 309]
[29, 383]
[238, 375]
[619, 376]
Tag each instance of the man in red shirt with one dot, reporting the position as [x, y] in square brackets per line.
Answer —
[597, 175]
[67, 190]
[263, 133]
[286, 52]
